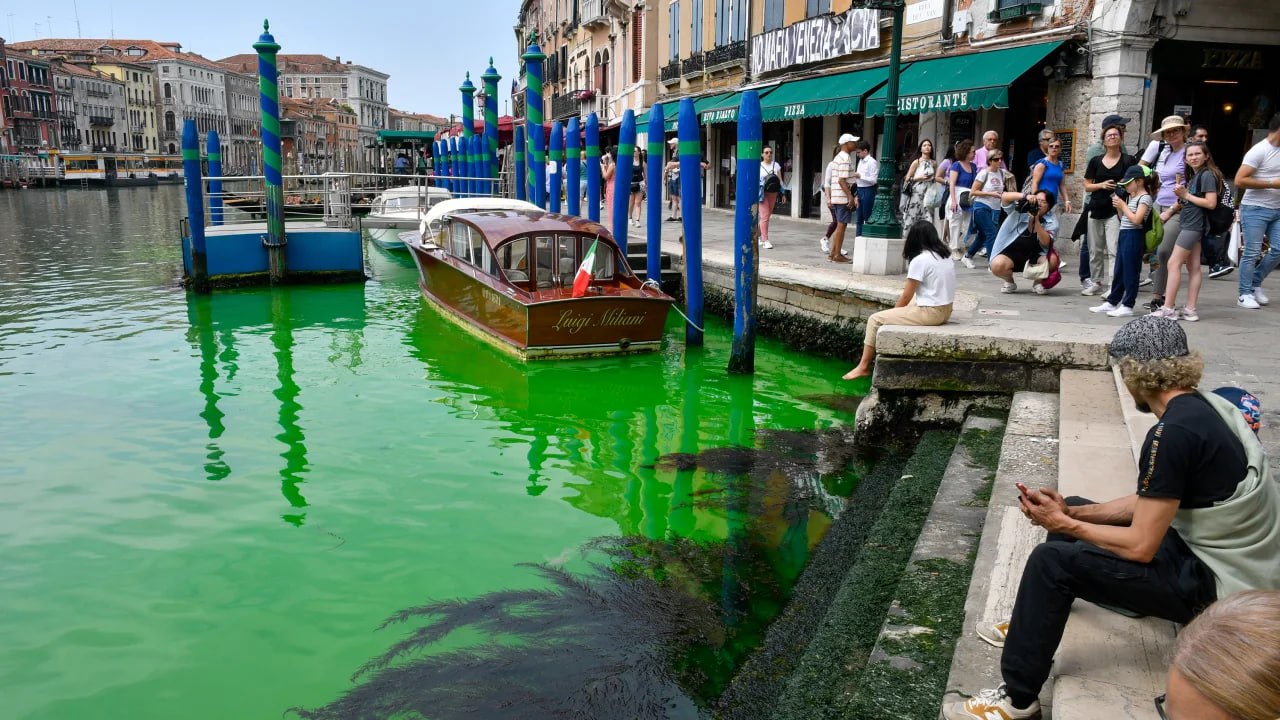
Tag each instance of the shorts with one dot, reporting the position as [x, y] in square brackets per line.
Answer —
[673, 187]
[843, 214]
[636, 187]
[1187, 239]
[1025, 249]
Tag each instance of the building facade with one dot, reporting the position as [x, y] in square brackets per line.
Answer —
[367, 96]
[140, 97]
[92, 109]
[6, 127]
[32, 109]
[242, 145]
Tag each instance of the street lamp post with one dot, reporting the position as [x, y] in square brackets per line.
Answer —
[883, 222]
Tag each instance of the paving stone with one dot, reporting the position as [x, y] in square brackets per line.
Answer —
[993, 339]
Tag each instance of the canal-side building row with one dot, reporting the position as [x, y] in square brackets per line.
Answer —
[92, 109]
[968, 66]
[318, 135]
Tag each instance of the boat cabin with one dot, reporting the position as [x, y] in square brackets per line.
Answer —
[409, 199]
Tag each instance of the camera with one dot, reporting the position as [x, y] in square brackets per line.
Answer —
[1027, 205]
[1121, 193]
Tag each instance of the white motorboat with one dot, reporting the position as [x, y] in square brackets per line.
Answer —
[400, 209]
[433, 221]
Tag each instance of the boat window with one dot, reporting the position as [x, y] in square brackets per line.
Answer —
[478, 253]
[459, 240]
[603, 267]
[513, 260]
[402, 203]
[546, 261]
[567, 256]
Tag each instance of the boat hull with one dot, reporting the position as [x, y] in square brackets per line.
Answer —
[560, 328]
[386, 238]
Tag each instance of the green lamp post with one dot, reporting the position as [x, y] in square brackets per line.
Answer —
[883, 222]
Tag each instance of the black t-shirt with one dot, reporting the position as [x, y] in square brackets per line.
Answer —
[1191, 455]
[1100, 206]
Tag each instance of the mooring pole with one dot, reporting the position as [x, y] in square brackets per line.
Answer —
[195, 206]
[593, 168]
[621, 210]
[269, 99]
[653, 181]
[691, 204]
[518, 143]
[533, 58]
[455, 163]
[573, 168]
[557, 159]
[746, 261]
[435, 165]
[468, 130]
[214, 152]
[490, 79]
[482, 154]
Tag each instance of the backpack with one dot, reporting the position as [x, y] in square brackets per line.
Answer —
[1222, 215]
[772, 184]
[1155, 229]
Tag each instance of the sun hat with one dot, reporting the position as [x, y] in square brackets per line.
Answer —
[1172, 122]
[1135, 172]
[1150, 337]
[847, 138]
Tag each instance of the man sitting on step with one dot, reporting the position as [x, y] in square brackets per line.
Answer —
[1204, 523]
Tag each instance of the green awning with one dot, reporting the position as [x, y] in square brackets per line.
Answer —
[404, 137]
[726, 110]
[961, 82]
[671, 111]
[823, 95]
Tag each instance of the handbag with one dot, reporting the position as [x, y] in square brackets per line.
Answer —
[933, 196]
[1235, 243]
[1036, 272]
[965, 198]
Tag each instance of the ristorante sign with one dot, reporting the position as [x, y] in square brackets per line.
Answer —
[933, 102]
[815, 40]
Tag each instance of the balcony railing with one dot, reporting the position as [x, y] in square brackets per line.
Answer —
[564, 106]
[670, 72]
[593, 13]
[138, 128]
[102, 120]
[168, 134]
[724, 55]
[692, 65]
[168, 101]
[98, 93]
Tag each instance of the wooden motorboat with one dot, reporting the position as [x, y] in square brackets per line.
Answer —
[508, 276]
[400, 209]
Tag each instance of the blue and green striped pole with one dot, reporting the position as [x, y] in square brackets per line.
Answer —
[455, 167]
[490, 79]
[482, 152]
[214, 150]
[687, 131]
[653, 178]
[269, 98]
[438, 165]
[557, 157]
[573, 167]
[478, 167]
[195, 206]
[533, 58]
[517, 179]
[468, 129]
[742, 355]
[622, 179]
[593, 168]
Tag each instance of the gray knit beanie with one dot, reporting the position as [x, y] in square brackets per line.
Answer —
[1150, 337]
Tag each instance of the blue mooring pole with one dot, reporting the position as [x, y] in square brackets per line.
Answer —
[214, 151]
[533, 58]
[272, 165]
[435, 164]
[746, 260]
[195, 206]
[517, 175]
[593, 168]
[455, 166]
[573, 167]
[490, 79]
[653, 179]
[557, 157]
[622, 179]
[687, 131]
[482, 152]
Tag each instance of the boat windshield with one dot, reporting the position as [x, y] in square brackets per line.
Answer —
[402, 203]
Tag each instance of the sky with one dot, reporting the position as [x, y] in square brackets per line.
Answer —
[427, 46]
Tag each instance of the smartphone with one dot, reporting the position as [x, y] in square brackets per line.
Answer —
[1022, 488]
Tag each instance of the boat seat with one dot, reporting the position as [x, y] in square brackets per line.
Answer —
[516, 276]
[567, 266]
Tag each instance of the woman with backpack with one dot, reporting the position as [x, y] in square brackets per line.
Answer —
[1198, 198]
[1166, 155]
[770, 188]
[1132, 201]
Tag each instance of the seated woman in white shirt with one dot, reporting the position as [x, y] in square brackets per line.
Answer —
[927, 297]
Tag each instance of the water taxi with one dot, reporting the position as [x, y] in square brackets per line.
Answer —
[536, 284]
[399, 209]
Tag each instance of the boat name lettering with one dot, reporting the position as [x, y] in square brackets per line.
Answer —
[573, 321]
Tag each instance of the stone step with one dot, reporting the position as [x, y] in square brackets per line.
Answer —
[1108, 665]
[1028, 453]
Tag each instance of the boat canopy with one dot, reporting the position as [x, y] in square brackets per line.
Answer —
[497, 226]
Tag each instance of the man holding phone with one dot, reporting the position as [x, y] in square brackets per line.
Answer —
[1203, 523]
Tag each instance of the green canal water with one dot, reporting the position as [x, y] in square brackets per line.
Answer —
[208, 505]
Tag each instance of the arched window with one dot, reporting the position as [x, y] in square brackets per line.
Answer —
[603, 85]
[172, 149]
[170, 123]
[168, 92]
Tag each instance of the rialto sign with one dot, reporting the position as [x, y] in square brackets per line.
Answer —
[815, 40]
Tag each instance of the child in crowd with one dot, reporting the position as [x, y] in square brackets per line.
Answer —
[1133, 202]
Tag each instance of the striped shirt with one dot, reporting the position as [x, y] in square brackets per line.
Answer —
[841, 167]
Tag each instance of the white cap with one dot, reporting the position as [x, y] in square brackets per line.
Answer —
[847, 138]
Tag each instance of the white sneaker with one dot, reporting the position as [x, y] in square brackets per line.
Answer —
[1166, 312]
[964, 260]
[1188, 314]
[826, 245]
[1121, 311]
[1104, 307]
[1091, 288]
[1038, 289]
[1261, 297]
[1248, 302]
[990, 705]
[1009, 287]
[994, 634]
[766, 245]
[844, 253]
[982, 252]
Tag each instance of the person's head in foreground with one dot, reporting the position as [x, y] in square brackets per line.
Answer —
[1155, 361]
[1227, 664]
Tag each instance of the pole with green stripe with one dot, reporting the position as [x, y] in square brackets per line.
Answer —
[214, 151]
[533, 58]
[593, 168]
[653, 178]
[690, 148]
[199, 270]
[269, 98]
[622, 179]
[468, 129]
[490, 79]
[557, 159]
[518, 172]
[573, 167]
[746, 261]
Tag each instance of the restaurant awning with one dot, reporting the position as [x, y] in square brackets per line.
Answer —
[405, 137]
[961, 82]
[671, 111]
[840, 94]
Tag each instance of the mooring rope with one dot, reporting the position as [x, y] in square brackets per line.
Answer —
[658, 287]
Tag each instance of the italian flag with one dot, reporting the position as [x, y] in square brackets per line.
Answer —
[585, 270]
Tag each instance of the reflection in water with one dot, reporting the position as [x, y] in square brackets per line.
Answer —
[201, 332]
[291, 434]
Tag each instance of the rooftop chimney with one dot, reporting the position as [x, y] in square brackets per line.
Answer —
[339, 59]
